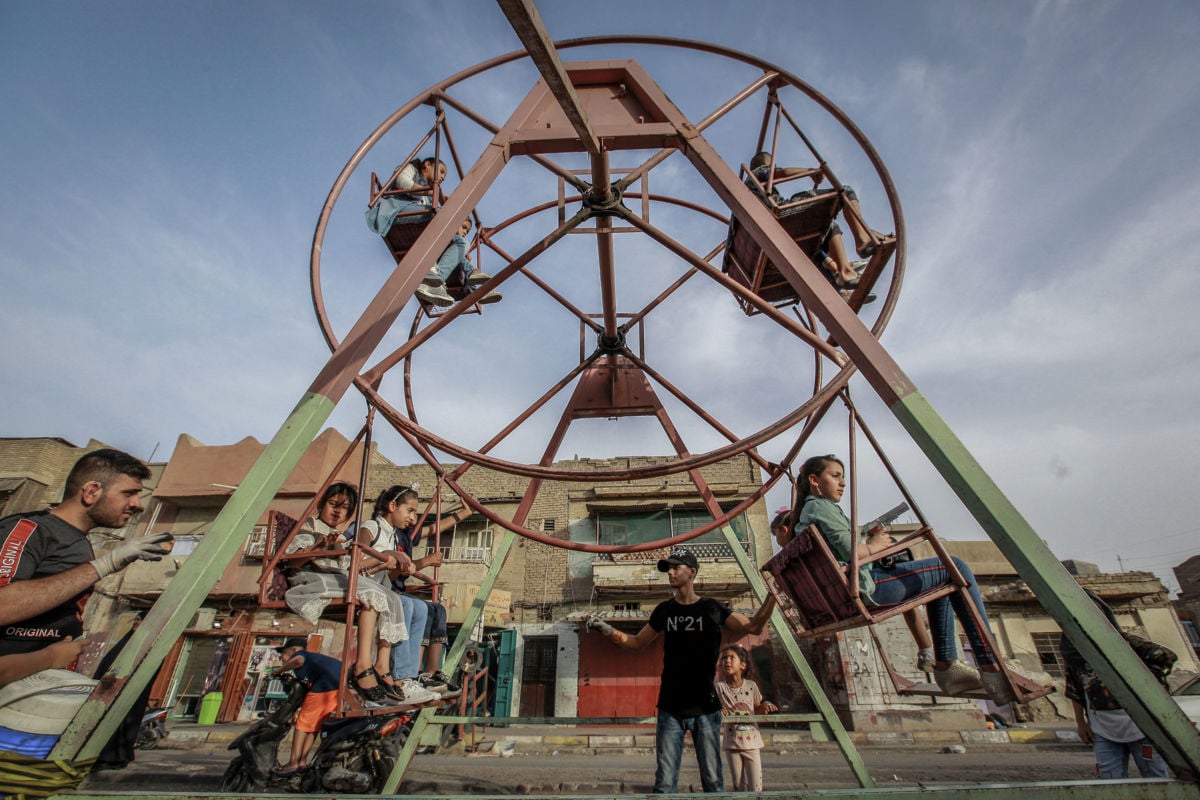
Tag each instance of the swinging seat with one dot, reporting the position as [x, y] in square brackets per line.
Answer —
[806, 220]
[403, 235]
[273, 583]
[818, 596]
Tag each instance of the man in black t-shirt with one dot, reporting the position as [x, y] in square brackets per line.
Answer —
[47, 567]
[691, 627]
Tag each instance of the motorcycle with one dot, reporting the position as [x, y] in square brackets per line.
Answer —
[353, 755]
[153, 729]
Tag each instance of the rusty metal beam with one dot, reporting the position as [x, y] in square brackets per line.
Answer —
[527, 23]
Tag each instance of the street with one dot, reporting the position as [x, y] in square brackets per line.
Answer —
[808, 767]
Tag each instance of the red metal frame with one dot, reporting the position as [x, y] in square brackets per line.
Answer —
[562, 125]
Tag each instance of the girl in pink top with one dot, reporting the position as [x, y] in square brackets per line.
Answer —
[739, 696]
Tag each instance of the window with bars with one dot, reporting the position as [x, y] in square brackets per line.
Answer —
[637, 527]
[1049, 653]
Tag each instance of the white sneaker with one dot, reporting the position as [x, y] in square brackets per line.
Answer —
[433, 279]
[416, 694]
[999, 690]
[926, 660]
[489, 298]
[958, 678]
[477, 277]
[436, 295]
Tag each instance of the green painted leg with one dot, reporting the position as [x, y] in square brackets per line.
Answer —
[833, 723]
[165, 623]
[1146, 701]
[457, 650]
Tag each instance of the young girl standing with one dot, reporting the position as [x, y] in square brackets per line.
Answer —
[739, 695]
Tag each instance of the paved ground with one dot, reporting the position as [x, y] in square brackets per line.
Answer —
[630, 770]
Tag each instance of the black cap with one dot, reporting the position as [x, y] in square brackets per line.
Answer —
[678, 556]
[293, 642]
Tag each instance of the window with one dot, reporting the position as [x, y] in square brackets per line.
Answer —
[256, 543]
[184, 545]
[466, 545]
[637, 527]
[1049, 653]
[548, 525]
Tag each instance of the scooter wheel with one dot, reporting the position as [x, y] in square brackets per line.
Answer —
[236, 779]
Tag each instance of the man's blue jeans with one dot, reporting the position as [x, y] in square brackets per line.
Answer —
[668, 742]
[406, 655]
[1112, 759]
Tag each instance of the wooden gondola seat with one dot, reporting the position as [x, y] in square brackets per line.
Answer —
[806, 222]
[816, 595]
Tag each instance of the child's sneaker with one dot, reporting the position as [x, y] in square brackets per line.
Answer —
[926, 660]
[431, 682]
[437, 295]
[452, 689]
[433, 279]
[416, 694]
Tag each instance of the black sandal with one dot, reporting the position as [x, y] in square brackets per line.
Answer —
[376, 693]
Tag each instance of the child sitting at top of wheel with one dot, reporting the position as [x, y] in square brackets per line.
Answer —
[410, 190]
[831, 254]
[454, 258]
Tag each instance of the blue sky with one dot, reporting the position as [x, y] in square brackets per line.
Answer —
[164, 165]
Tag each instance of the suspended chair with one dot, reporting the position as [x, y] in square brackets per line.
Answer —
[819, 596]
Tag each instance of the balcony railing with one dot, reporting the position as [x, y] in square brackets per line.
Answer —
[702, 550]
[475, 555]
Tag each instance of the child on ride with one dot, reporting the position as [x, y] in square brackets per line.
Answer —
[821, 484]
[317, 581]
[739, 695]
[781, 528]
[395, 515]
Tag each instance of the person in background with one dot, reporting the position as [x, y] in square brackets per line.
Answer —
[322, 675]
[119, 751]
[1099, 718]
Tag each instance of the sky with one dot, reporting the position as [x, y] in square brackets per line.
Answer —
[164, 166]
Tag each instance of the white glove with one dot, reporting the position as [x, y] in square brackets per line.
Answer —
[594, 623]
[148, 548]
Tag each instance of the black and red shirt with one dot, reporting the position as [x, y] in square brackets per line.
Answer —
[37, 546]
